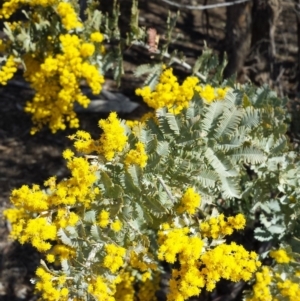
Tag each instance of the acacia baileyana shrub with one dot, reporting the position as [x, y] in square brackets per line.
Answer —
[175, 188]
[147, 192]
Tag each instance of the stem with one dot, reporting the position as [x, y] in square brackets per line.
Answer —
[166, 189]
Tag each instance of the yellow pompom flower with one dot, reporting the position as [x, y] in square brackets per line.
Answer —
[8, 70]
[96, 37]
[189, 201]
[137, 156]
[116, 226]
[87, 49]
[68, 15]
[113, 139]
[169, 93]
[114, 258]
[280, 256]
[103, 218]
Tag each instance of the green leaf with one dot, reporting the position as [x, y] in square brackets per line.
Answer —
[64, 238]
[115, 191]
[115, 207]
[221, 165]
[262, 235]
[162, 148]
[95, 233]
[207, 178]
[249, 155]
[105, 180]
[280, 145]
[230, 187]
[211, 115]
[229, 122]
[65, 266]
[154, 206]
[276, 229]
[129, 184]
[90, 216]
[251, 117]
[173, 123]
[135, 173]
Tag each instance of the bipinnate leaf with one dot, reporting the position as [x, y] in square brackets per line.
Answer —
[262, 234]
[173, 123]
[250, 155]
[64, 237]
[154, 206]
[230, 187]
[229, 122]
[90, 216]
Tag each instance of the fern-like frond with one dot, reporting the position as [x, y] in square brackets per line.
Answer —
[249, 155]
[230, 187]
[229, 122]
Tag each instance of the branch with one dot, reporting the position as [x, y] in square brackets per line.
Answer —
[167, 55]
[203, 7]
[166, 189]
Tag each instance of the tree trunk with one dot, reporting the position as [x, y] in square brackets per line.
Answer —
[237, 36]
[297, 9]
[265, 17]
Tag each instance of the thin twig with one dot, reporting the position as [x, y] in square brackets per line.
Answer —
[176, 60]
[203, 7]
[184, 64]
[166, 189]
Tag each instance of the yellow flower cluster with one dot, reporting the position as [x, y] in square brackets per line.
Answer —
[169, 92]
[56, 81]
[186, 281]
[280, 256]
[113, 139]
[96, 37]
[64, 218]
[116, 225]
[125, 288]
[8, 70]
[33, 199]
[189, 202]
[209, 93]
[289, 289]
[231, 262]
[137, 156]
[136, 124]
[101, 290]
[50, 287]
[148, 288]
[217, 226]
[198, 268]
[10, 6]
[69, 17]
[37, 231]
[103, 219]
[60, 252]
[114, 258]
[78, 189]
[83, 142]
[137, 261]
[261, 288]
